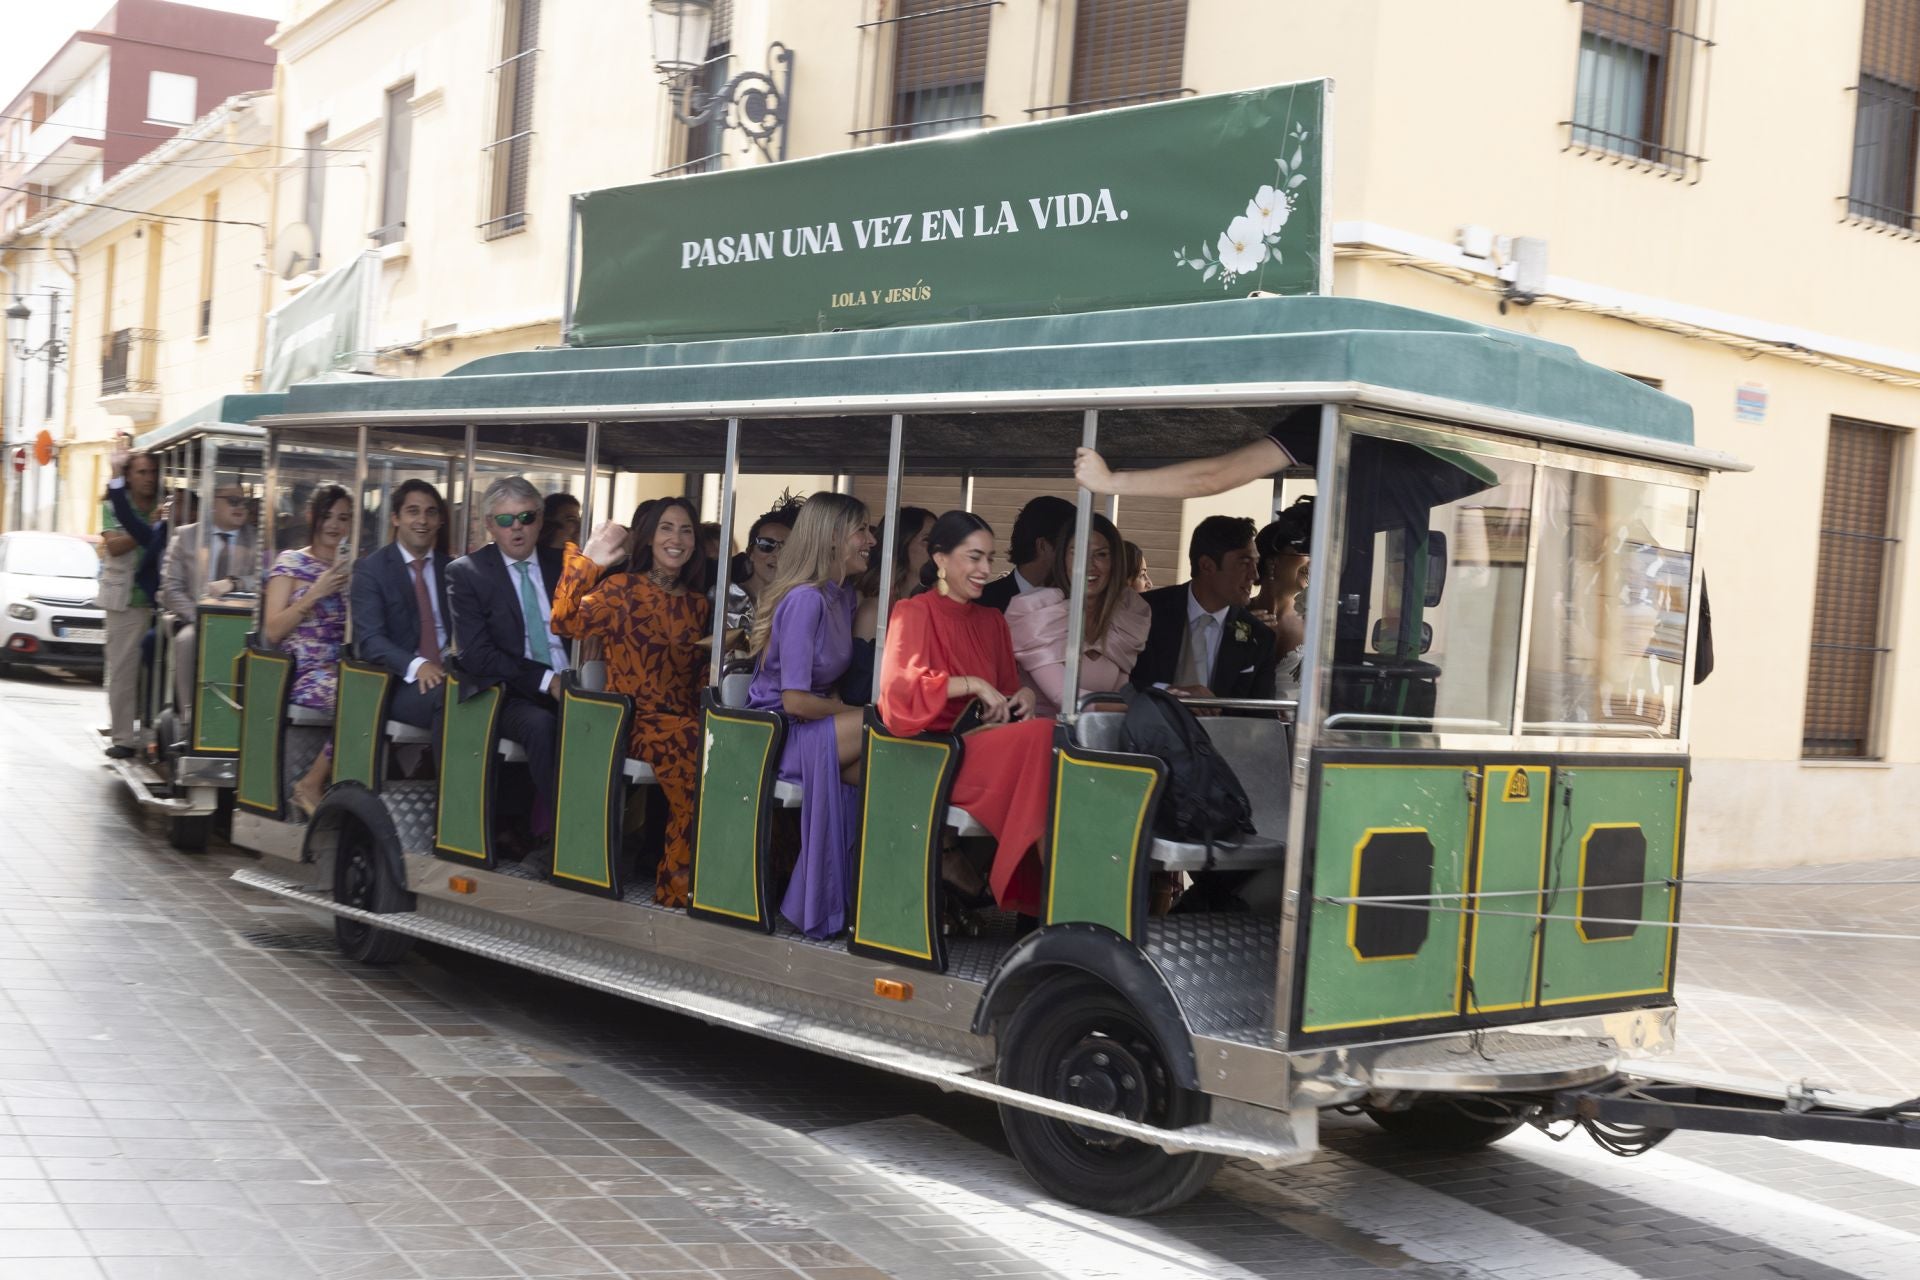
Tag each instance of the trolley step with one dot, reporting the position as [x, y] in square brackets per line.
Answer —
[657, 980]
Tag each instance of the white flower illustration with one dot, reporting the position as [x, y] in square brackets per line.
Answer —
[1269, 209]
[1242, 248]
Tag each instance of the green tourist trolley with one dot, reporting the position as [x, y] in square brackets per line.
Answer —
[185, 768]
[1462, 886]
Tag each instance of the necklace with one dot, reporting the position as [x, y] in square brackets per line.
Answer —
[665, 579]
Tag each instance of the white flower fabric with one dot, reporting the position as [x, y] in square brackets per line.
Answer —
[1242, 248]
[1269, 210]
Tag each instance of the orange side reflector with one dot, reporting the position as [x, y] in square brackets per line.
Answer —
[461, 884]
[888, 989]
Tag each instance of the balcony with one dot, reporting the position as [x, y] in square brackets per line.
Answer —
[127, 386]
[74, 132]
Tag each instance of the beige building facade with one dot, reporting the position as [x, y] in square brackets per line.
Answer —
[1717, 197]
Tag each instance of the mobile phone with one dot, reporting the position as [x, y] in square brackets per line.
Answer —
[345, 554]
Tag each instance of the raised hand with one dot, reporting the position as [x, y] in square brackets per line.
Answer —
[608, 545]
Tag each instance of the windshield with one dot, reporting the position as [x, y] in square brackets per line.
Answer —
[52, 557]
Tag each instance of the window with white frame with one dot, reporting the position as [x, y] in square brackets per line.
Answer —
[171, 97]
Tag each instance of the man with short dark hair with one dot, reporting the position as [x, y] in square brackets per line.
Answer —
[129, 578]
[1204, 641]
[205, 561]
[400, 615]
[1035, 530]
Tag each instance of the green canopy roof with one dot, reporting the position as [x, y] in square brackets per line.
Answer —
[1255, 348]
[229, 414]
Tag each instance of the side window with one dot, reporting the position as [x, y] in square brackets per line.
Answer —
[1427, 613]
[1607, 653]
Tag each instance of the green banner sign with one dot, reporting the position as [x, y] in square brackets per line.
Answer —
[1180, 201]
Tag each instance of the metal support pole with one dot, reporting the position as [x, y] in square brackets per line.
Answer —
[727, 481]
[586, 514]
[468, 497]
[1077, 601]
[890, 538]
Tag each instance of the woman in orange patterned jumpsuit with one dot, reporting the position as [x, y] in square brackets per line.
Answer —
[651, 617]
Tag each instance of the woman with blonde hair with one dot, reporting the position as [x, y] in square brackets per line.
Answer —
[1114, 633]
[802, 640]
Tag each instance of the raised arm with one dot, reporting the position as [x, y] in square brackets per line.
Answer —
[1198, 478]
[578, 610]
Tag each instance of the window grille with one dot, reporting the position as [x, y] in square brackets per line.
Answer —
[926, 64]
[510, 154]
[1124, 52]
[703, 146]
[1640, 84]
[124, 362]
[1886, 119]
[1850, 640]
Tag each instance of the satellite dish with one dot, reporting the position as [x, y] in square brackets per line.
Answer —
[294, 252]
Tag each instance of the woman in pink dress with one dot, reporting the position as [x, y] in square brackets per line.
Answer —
[1115, 631]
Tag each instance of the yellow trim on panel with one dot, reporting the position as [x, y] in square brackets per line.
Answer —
[933, 828]
[1673, 871]
[559, 797]
[1139, 821]
[1480, 871]
[487, 746]
[766, 749]
[1353, 891]
[1580, 898]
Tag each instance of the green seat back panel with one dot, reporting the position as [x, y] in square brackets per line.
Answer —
[1613, 829]
[216, 686]
[1503, 959]
[1386, 830]
[266, 677]
[903, 806]
[360, 724]
[590, 797]
[1097, 856]
[468, 744]
[733, 817]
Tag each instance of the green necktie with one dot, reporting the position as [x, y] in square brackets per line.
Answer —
[537, 648]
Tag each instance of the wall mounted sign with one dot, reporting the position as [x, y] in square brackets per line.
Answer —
[1183, 201]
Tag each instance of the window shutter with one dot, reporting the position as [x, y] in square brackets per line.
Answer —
[1127, 51]
[1644, 24]
[1890, 45]
[1844, 666]
[938, 44]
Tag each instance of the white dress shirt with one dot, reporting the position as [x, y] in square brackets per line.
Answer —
[433, 598]
[555, 649]
[1203, 663]
[1020, 584]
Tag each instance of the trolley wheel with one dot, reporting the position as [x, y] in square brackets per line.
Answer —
[188, 833]
[362, 878]
[1445, 1125]
[1075, 1039]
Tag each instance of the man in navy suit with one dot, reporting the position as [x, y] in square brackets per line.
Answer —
[1035, 530]
[1203, 640]
[502, 597]
[399, 602]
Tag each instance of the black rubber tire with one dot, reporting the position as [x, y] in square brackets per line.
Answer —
[189, 833]
[1075, 1039]
[363, 878]
[1442, 1126]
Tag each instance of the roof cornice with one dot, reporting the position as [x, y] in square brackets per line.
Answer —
[320, 26]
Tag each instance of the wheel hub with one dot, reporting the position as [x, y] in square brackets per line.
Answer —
[1102, 1074]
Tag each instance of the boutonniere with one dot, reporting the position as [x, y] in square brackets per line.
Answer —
[1241, 633]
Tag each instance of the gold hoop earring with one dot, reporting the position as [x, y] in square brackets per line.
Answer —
[940, 582]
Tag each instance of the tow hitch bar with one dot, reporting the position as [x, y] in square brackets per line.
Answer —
[1654, 1109]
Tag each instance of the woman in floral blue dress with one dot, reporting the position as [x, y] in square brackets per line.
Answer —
[306, 616]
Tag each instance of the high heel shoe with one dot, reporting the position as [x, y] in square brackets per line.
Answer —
[304, 803]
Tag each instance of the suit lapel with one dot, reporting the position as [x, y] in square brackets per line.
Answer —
[400, 575]
[1229, 658]
[496, 565]
[1168, 633]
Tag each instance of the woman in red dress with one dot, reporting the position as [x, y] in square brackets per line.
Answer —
[943, 650]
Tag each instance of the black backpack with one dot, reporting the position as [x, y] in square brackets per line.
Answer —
[1203, 802]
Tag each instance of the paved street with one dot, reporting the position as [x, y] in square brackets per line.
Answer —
[194, 1086]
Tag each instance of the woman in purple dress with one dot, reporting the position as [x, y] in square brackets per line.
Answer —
[803, 639]
[306, 616]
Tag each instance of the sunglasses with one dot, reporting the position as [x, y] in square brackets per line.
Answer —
[507, 521]
[767, 546]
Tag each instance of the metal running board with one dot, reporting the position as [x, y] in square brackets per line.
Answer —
[140, 778]
[863, 1045]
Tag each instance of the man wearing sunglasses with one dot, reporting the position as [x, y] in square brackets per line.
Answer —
[502, 598]
[206, 562]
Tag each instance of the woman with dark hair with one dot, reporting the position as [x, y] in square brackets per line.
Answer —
[802, 641]
[909, 556]
[559, 521]
[1112, 636]
[1282, 548]
[650, 619]
[753, 570]
[944, 649]
[306, 615]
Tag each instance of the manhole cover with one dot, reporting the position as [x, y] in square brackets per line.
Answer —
[287, 940]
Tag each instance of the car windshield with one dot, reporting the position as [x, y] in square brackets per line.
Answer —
[52, 557]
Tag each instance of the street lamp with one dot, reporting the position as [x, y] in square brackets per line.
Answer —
[752, 102]
[53, 351]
